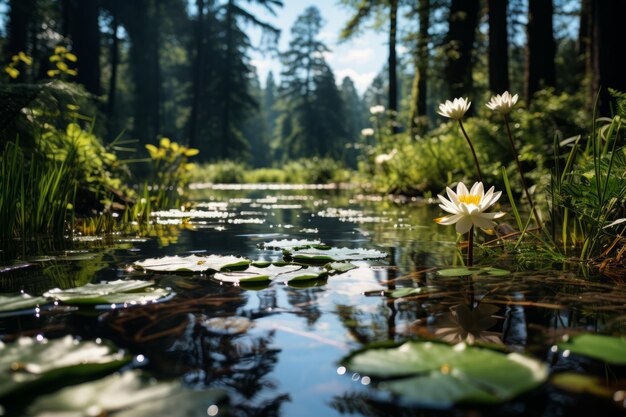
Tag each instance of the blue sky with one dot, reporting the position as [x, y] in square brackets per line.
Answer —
[360, 58]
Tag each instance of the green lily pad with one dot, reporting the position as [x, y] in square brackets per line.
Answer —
[280, 272]
[581, 384]
[442, 375]
[112, 292]
[339, 267]
[29, 362]
[319, 255]
[256, 273]
[464, 272]
[288, 244]
[228, 325]
[20, 302]
[407, 292]
[193, 263]
[130, 394]
[605, 348]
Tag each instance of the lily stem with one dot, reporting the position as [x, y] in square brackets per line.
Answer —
[470, 247]
[521, 172]
[469, 142]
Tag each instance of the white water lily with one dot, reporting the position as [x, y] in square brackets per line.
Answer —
[454, 109]
[377, 109]
[467, 208]
[502, 103]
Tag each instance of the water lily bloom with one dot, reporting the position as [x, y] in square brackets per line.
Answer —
[377, 109]
[454, 109]
[502, 103]
[467, 207]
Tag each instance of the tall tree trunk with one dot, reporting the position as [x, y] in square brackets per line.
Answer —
[85, 33]
[392, 64]
[21, 13]
[606, 51]
[463, 22]
[540, 48]
[227, 83]
[114, 57]
[419, 88]
[142, 27]
[498, 46]
[197, 76]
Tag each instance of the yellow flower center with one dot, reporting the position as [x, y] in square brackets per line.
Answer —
[470, 199]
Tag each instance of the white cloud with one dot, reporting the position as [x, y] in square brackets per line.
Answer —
[262, 65]
[354, 55]
[361, 80]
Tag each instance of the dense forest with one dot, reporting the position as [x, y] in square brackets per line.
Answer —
[182, 69]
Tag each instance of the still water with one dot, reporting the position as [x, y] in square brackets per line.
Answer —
[281, 357]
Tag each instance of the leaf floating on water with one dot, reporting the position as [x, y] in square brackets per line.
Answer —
[339, 267]
[29, 362]
[581, 384]
[131, 394]
[442, 375]
[193, 263]
[14, 267]
[318, 255]
[288, 244]
[112, 292]
[605, 348]
[275, 272]
[407, 292]
[20, 302]
[228, 325]
[464, 272]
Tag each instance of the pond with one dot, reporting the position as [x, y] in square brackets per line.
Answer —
[281, 347]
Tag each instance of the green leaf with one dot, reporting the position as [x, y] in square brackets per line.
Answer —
[605, 348]
[407, 292]
[20, 302]
[112, 292]
[288, 244]
[193, 263]
[317, 255]
[27, 362]
[131, 394]
[339, 267]
[443, 375]
[281, 273]
[455, 272]
[464, 272]
[581, 384]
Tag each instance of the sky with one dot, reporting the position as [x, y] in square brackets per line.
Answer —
[360, 58]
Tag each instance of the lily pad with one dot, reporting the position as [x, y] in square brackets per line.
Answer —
[254, 273]
[464, 272]
[318, 255]
[407, 292]
[29, 362]
[605, 348]
[131, 394]
[112, 292]
[20, 302]
[340, 267]
[280, 272]
[581, 384]
[288, 244]
[193, 263]
[442, 375]
[228, 325]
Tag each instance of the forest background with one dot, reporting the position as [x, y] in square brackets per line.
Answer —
[185, 69]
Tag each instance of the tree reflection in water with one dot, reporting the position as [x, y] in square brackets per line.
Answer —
[178, 343]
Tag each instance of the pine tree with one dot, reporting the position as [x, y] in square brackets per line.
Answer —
[312, 119]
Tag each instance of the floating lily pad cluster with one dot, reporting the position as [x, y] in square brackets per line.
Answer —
[112, 292]
[442, 375]
[28, 364]
[311, 260]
